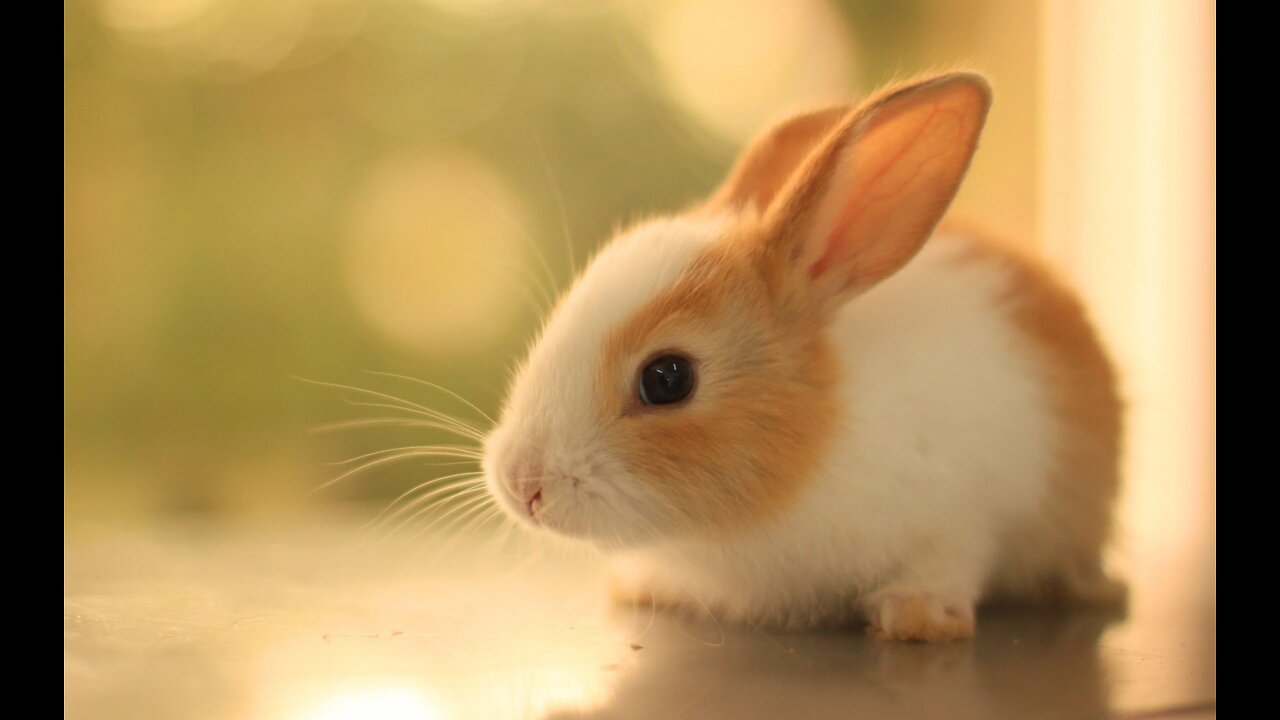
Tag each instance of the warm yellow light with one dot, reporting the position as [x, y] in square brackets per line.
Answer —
[1129, 213]
[152, 15]
[499, 8]
[736, 64]
[448, 645]
[478, 7]
[385, 703]
[435, 250]
[233, 39]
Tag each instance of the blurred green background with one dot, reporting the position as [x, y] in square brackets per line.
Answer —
[255, 192]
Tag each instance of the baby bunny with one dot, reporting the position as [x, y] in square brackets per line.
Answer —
[789, 405]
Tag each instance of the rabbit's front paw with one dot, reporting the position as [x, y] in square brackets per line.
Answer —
[919, 617]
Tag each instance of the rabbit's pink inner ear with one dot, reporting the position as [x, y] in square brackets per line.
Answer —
[771, 159]
[895, 177]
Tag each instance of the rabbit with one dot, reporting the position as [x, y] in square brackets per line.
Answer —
[789, 406]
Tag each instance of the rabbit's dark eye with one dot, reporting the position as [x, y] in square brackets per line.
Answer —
[669, 379]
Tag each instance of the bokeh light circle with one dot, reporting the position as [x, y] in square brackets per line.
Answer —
[434, 251]
[149, 16]
[232, 40]
[737, 64]
[376, 703]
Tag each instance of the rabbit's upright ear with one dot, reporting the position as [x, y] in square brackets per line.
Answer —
[866, 198]
[772, 158]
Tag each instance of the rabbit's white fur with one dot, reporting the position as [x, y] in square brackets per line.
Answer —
[947, 438]
[551, 403]
[884, 424]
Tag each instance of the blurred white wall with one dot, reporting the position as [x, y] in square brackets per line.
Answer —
[1128, 211]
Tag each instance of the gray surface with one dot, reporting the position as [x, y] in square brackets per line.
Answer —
[304, 619]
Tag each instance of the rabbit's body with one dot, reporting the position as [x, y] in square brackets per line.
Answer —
[956, 471]
[784, 406]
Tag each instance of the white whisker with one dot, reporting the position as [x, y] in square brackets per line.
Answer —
[441, 388]
[401, 404]
[528, 240]
[458, 491]
[383, 461]
[481, 497]
[564, 218]
[437, 420]
[473, 480]
[364, 422]
[452, 449]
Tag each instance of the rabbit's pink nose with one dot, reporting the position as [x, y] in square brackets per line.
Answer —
[525, 481]
[529, 494]
[525, 468]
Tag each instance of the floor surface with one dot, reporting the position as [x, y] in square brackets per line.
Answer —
[308, 620]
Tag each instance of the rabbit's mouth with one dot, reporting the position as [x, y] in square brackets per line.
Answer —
[533, 505]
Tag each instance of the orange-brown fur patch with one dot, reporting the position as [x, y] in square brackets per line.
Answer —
[763, 413]
[1077, 522]
[816, 205]
[771, 159]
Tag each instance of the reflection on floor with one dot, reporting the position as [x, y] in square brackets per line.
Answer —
[306, 622]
